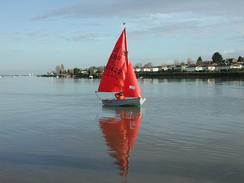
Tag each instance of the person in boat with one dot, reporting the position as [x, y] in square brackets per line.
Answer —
[119, 96]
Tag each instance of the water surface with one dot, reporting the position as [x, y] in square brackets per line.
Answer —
[55, 130]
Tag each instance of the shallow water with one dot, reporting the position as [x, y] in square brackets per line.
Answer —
[55, 130]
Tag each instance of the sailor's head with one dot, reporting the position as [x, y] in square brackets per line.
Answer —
[118, 94]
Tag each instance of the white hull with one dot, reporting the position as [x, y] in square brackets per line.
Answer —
[126, 102]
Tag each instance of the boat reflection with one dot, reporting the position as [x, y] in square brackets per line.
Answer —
[120, 132]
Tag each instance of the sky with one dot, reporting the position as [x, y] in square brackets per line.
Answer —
[37, 35]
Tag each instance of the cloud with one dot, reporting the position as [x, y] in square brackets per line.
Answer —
[233, 52]
[158, 17]
[182, 23]
[133, 8]
[87, 37]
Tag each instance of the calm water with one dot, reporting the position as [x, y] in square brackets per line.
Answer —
[54, 130]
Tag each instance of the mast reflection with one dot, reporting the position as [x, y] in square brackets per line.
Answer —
[120, 132]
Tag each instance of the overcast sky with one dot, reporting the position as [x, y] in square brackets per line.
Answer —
[36, 35]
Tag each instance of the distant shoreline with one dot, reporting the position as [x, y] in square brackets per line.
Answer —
[185, 75]
[166, 75]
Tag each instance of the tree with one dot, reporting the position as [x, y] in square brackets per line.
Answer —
[62, 68]
[240, 59]
[58, 69]
[176, 62]
[199, 60]
[217, 58]
[182, 63]
[70, 71]
[100, 69]
[138, 65]
[76, 71]
[92, 70]
[189, 61]
[149, 65]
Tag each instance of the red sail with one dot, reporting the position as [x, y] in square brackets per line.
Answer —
[115, 71]
[131, 87]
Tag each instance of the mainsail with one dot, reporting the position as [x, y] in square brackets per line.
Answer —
[113, 77]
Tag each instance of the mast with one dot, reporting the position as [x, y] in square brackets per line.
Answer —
[124, 27]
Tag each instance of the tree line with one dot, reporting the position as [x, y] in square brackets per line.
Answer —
[216, 58]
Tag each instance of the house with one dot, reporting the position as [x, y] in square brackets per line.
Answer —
[211, 68]
[230, 60]
[177, 68]
[222, 67]
[164, 68]
[191, 68]
[200, 68]
[52, 73]
[138, 69]
[146, 69]
[183, 67]
[170, 67]
[84, 72]
[236, 66]
[156, 69]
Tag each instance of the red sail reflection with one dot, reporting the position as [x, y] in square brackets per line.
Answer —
[120, 133]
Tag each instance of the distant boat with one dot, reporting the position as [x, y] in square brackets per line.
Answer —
[119, 78]
[91, 77]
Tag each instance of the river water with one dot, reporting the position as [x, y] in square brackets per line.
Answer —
[56, 130]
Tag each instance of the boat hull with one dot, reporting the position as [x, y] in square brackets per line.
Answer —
[126, 102]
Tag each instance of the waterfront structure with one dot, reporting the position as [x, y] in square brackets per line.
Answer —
[236, 66]
[200, 68]
[190, 68]
[147, 69]
[138, 69]
[211, 68]
[156, 69]
[222, 67]
[164, 68]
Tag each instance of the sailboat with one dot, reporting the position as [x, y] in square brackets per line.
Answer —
[119, 78]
